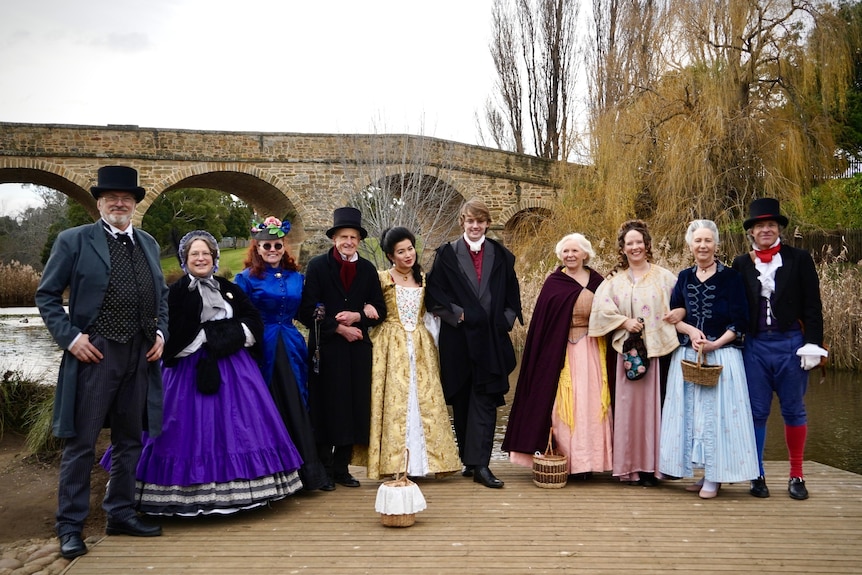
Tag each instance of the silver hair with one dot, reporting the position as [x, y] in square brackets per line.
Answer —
[698, 224]
[583, 243]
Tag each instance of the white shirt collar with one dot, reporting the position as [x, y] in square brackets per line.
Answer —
[474, 246]
[114, 231]
[353, 258]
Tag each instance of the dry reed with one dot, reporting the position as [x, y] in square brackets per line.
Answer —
[18, 284]
[840, 289]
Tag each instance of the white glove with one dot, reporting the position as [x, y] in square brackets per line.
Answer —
[810, 355]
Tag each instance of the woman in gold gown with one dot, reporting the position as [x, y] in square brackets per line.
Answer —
[408, 409]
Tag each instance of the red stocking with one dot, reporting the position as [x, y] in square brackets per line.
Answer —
[795, 435]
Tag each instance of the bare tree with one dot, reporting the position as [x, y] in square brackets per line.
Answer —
[403, 182]
[535, 56]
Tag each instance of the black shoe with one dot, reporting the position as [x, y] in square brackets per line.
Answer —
[467, 471]
[71, 545]
[484, 476]
[796, 488]
[647, 480]
[346, 480]
[758, 487]
[134, 527]
[328, 486]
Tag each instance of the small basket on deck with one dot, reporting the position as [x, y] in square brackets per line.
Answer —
[550, 470]
[399, 500]
[700, 373]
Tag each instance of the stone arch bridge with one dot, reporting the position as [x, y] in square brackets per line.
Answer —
[275, 173]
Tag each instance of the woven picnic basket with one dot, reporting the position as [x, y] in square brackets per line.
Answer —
[398, 500]
[550, 470]
[700, 373]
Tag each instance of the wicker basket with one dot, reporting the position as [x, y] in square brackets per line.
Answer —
[550, 470]
[415, 500]
[699, 372]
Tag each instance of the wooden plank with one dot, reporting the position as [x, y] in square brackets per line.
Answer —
[596, 526]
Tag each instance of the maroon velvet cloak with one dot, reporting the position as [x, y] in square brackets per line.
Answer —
[541, 363]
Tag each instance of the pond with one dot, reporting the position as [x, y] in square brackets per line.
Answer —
[834, 422]
[834, 406]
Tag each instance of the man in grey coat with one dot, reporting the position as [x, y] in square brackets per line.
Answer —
[113, 336]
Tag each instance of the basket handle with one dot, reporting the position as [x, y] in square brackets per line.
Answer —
[550, 449]
[406, 464]
[700, 357]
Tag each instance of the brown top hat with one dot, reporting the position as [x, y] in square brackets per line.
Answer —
[762, 210]
[118, 179]
[347, 218]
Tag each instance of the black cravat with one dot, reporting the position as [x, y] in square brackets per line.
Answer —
[126, 241]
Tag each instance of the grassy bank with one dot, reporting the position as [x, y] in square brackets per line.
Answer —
[26, 408]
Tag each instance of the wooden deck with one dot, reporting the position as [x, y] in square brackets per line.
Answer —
[597, 526]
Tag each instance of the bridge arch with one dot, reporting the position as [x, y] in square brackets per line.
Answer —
[307, 174]
[265, 192]
[51, 175]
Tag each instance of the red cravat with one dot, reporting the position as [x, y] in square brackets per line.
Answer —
[766, 255]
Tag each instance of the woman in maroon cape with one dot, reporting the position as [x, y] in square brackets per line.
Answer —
[563, 382]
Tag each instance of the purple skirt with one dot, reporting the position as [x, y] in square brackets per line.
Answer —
[229, 442]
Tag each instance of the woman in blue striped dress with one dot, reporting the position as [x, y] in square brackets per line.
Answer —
[704, 427]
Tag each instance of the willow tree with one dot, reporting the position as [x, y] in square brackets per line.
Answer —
[711, 105]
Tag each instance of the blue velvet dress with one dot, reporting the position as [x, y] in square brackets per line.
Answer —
[284, 362]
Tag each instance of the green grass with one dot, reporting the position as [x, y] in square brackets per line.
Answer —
[230, 264]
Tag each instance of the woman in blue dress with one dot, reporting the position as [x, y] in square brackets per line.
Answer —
[223, 445]
[272, 281]
[704, 427]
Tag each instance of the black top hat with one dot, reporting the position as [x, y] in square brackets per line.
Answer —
[347, 218]
[762, 210]
[118, 179]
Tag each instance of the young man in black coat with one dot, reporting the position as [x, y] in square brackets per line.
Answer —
[473, 289]
[341, 299]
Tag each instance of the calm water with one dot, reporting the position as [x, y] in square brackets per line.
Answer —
[834, 407]
[834, 423]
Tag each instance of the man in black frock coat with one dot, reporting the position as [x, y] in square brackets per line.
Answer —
[473, 289]
[341, 299]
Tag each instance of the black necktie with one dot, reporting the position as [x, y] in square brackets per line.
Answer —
[126, 241]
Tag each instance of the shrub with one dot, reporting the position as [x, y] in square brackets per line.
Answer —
[18, 396]
[18, 283]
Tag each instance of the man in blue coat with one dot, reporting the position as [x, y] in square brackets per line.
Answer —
[113, 336]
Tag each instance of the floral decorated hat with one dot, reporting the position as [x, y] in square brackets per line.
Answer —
[271, 228]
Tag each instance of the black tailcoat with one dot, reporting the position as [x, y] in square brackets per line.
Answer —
[797, 292]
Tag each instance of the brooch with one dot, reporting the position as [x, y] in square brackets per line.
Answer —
[228, 295]
[278, 275]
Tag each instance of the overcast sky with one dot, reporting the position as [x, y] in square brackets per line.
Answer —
[337, 66]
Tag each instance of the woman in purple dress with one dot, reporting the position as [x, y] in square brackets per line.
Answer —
[223, 446]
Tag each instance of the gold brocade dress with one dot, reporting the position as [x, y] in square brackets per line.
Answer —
[407, 404]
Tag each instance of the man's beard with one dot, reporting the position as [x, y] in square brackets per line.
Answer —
[117, 220]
